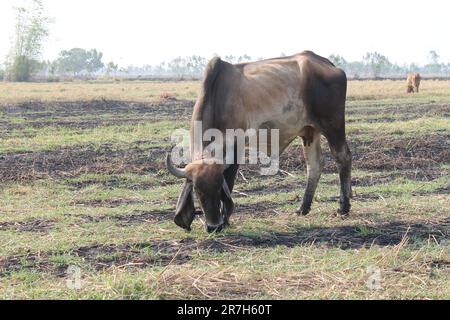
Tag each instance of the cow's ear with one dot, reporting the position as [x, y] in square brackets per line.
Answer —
[185, 212]
[228, 204]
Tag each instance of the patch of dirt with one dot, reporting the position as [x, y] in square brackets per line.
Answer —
[32, 225]
[425, 174]
[443, 190]
[362, 197]
[94, 113]
[274, 187]
[107, 203]
[344, 237]
[100, 257]
[402, 112]
[165, 252]
[394, 113]
[71, 162]
[31, 262]
[106, 256]
[136, 217]
[112, 182]
[261, 208]
[418, 154]
[86, 218]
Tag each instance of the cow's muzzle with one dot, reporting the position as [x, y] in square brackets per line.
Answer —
[214, 228]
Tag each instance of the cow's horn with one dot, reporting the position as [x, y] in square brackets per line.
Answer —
[177, 172]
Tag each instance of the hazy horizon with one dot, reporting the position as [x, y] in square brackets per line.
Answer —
[137, 32]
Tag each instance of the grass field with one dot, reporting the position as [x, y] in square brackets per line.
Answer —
[83, 187]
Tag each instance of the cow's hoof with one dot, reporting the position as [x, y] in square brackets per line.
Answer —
[343, 213]
[303, 210]
[344, 210]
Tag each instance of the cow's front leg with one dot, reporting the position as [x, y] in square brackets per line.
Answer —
[230, 178]
[314, 165]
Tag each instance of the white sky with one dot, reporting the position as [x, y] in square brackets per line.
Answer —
[148, 32]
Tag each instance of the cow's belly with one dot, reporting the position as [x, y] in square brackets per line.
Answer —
[289, 119]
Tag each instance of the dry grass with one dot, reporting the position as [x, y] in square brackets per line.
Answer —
[301, 273]
[142, 91]
[151, 91]
[83, 184]
[390, 89]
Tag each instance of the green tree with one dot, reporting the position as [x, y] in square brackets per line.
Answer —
[246, 58]
[77, 60]
[377, 63]
[30, 32]
[52, 67]
[94, 61]
[111, 67]
[230, 58]
[433, 57]
[177, 67]
[338, 60]
[433, 67]
[195, 65]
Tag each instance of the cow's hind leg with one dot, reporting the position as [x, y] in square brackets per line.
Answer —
[314, 165]
[341, 153]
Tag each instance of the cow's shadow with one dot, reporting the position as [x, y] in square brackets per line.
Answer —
[344, 237]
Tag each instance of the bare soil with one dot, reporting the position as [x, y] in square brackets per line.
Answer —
[401, 112]
[166, 252]
[136, 217]
[72, 162]
[93, 113]
[32, 225]
[419, 155]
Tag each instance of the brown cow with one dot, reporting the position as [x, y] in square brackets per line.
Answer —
[301, 95]
[413, 83]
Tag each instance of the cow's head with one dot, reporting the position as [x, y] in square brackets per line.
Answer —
[206, 178]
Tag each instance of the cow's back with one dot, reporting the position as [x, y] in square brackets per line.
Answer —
[286, 93]
[313, 79]
[323, 86]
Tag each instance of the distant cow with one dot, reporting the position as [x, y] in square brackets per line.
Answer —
[413, 82]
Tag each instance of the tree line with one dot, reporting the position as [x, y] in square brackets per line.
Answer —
[376, 65]
[24, 62]
[79, 63]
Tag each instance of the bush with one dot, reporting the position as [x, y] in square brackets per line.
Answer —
[22, 69]
[52, 79]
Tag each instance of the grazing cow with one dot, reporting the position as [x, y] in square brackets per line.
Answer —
[413, 82]
[301, 95]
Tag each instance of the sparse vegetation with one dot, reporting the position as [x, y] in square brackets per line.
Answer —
[83, 184]
[30, 31]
